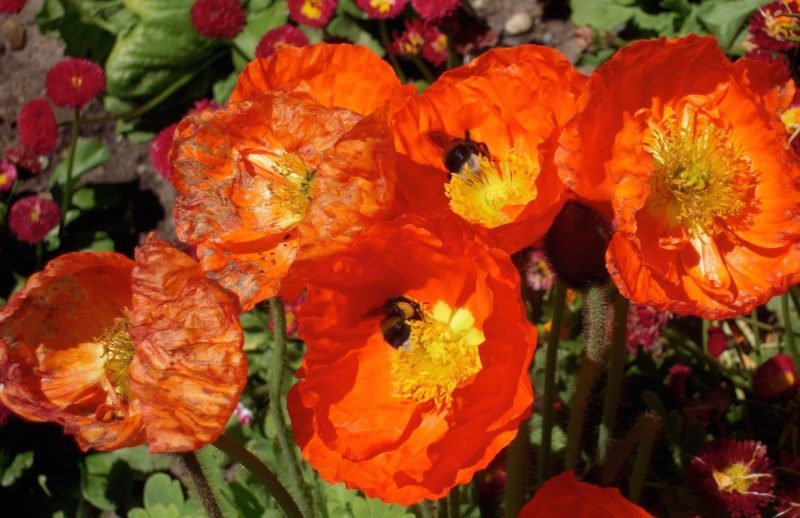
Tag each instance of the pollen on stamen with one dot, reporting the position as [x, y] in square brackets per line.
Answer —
[289, 187]
[118, 350]
[497, 192]
[441, 355]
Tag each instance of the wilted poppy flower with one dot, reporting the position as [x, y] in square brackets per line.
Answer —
[279, 37]
[564, 495]
[435, 10]
[775, 26]
[123, 353]
[8, 175]
[74, 82]
[33, 217]
[480, 142]
[382, 8]
[218, 18]
[735, 475]
[776, 378]
[416, 374]
[37, 128]
[11, 6]
[314, 13]
[690, 151]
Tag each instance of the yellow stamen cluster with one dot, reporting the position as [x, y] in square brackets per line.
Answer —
[290, 183]
[441, 354]
[496, 192]
[736, 478]
[118, 350]
[780, 25]
[311, 9]
[382, 6]
[411, 44]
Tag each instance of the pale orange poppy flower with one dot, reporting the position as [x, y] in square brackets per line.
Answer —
[691, 152]
[123, 353]
[512, 103]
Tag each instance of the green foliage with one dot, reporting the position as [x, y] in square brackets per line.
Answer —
[163, 498]
[89, 153]
[21, 463]
[86, 26]
[258, 23]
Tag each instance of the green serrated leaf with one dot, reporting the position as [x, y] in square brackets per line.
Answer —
[604, 15]
[89, 154]
[162, 490]
[21, 463]
[725, 18]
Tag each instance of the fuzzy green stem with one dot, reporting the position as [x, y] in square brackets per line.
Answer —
[551, 362]
[616, 368]
[384, 30]
[789, 334]
[261, 472]
[204, 492]
[617, 457]
[595, 315]
[454, 503]
[577, 412]
[205, 458]
[66, 190]
[517, 467]
[641, 462]
[276, 405]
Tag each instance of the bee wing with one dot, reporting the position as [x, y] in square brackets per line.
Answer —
[441, 139]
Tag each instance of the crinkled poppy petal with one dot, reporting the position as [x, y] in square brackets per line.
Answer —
[189, 368]
[494, 99]
[348, 419]
[53, 368]
[565, 495]
[345, 76]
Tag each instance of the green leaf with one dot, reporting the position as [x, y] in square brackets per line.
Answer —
[162, 490]
[222, 89]
[89, 154]
[158, 51]
[725, 18]
[604, 15]
[662, 23]
[259, 23]
[652, 400]
[82, 25]
[346, 27]
[21, 463]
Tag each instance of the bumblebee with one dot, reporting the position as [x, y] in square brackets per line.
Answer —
[395, 327]
[459, 152]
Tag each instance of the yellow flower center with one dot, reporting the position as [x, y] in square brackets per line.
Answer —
[118, 350]
[782, 381]
[442, 353]
[494, 193]
[382, 6]
[440, 44]
[791, 120]
[36, 214]
[780, 26]
[736, 478]
[289, 187]
[311, 9]
[76, 81]
[412, 44]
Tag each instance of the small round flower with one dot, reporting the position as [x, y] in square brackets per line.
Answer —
[314, 13]
[26, 159]
[218, 18]
[771, 28]
[243, 414]
[676, 380]
[789, 504]
[8, 175]
[74, 82]
[717, 341]
[435, 10]
[776, 378]
[32, 217]
[735, 475]
[435, 49]
[538, 273]
[11, 6]
[159, 151]
[644, 327]
[382, 8]
[37, 127]
[412, 41]
[279, 37]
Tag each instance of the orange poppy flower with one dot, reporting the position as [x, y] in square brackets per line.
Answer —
[480, 142]
[123, 353]
[695, 160]
[564, 495]
[416, 373]
[297, 164]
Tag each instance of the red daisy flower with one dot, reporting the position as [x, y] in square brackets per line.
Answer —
[772, 29]
[37, 127]
[8, 175]
[789, 504]
[382, 8]
[11, 6]
[74, 82]
[435, 49]
[412, 41]
[218, 18]
[32, 217]
[279, 37]
[776, 378]
[717, 341]
[24, 158]
[676, 380]
[159, 151]
[735, 475]
[435, 10]
[315, 13]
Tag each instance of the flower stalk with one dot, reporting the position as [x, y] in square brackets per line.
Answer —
[616, 373]
[517, 471]
[205, 493]
[66, 192]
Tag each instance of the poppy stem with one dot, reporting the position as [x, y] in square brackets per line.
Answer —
[517, 471]
[789, 334]
[211, 470]
[206, 494]
[623, 450]
[384, 30]
[66, 189]
[616, 373]
[261, 472]
[454, 503]
[276, 405]
[641, 462]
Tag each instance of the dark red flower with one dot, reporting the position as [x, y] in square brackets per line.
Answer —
[644, 327]
[24, 158]
[434, 10]
[382, 8]
[789, 504]
[283, 36]
[74, 82]
[735, 475]
[772, 29]
[676, 380]
[37, 127]
[776, 378]
[435, 49]
[717, 341]
[8, 175]
[315, 13]
[218, 18]
[159, 151]
[412, 41]
[32, 217]
[11, 6]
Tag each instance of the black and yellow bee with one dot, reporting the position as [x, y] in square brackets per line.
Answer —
[395, 327]
[459, 152]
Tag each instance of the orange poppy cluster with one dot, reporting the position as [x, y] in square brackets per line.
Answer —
[397, 213]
